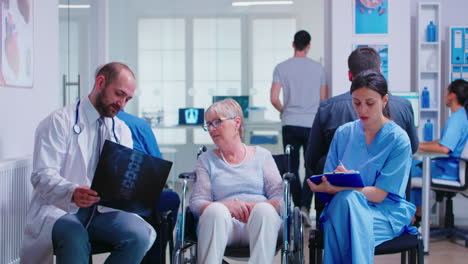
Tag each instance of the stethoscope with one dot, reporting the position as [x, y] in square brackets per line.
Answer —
[77, 128]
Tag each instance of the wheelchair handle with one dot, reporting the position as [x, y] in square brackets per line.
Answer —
[201, 149]
[288, 155]
[288, 149]
[288, 176]
[187, 175]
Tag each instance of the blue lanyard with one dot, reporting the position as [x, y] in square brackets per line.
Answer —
[77, 128]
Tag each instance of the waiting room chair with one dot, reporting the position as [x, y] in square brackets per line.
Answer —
[292, 228]
[410, 246]
[448, 189]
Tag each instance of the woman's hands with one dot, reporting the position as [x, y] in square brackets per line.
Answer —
[239, 209]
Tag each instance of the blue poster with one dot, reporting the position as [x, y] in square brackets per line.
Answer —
[382, 49]
[371, 16]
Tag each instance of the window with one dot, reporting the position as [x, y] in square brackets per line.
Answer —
[161, 69]
[271, 44]
[216, 58]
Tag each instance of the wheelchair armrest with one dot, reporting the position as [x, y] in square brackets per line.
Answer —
[188, 175]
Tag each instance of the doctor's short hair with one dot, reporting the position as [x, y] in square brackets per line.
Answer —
[364, 58]
[460, 89]
[111, 71]
[375, 81]
[228, 108]
[301, 40]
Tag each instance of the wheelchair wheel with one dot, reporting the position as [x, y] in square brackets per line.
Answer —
[298, 239]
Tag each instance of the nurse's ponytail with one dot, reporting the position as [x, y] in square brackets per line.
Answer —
[375, 81]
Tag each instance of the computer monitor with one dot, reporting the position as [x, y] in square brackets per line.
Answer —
[413, 97]
[191, 116]
[243, 101]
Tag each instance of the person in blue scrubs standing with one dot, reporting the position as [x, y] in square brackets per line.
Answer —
[452, 142]
[145, 141]
[356, 220]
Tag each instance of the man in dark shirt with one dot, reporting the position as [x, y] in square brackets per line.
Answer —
[339, 110]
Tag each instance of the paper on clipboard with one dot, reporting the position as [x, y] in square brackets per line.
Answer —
[348, 179]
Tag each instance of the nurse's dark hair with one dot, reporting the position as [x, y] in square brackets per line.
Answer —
[111, 71]
[301, 40]
[364, 58]
[375, 81]
[460, 89]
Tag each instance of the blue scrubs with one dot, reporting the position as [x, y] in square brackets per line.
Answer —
[454, 137]
[353, 226]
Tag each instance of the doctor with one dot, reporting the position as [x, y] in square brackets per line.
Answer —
[61, 220]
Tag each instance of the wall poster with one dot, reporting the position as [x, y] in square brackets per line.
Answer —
[16, 45]
[370, 16]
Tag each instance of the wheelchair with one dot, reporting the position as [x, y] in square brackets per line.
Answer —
[290, 239]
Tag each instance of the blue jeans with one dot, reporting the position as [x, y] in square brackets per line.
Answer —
[124, 232]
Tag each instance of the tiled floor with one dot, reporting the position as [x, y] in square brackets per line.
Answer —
[441, 251]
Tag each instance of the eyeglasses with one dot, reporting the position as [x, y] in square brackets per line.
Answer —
[215, 123]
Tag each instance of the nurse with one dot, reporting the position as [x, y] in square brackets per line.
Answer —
[452, 142]
[356, 220]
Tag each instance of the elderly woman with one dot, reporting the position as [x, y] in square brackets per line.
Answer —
[238, 191]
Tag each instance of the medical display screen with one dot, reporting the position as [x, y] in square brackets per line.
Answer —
[191, 116]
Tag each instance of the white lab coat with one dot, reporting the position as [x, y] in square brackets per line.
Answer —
[60, 165]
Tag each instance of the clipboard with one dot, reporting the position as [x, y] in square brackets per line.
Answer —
[348, 179]
[129, 180]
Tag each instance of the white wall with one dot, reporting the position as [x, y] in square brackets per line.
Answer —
[341, 40]
[21, 109]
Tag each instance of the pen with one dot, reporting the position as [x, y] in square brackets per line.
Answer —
[341, 164]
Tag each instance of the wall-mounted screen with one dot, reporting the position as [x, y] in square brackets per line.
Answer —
[243, 101]
[191, 116]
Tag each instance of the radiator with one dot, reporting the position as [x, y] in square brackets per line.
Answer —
[15, 193]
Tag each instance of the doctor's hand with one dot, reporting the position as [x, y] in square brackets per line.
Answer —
[325, 186]
[239, 209]
[83, 196]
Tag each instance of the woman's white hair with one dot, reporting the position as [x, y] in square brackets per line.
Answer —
[227, 108]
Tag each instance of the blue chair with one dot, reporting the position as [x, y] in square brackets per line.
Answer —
[292, 229]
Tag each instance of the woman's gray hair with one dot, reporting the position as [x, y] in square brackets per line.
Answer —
[227, 108]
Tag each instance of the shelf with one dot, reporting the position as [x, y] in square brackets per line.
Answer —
[429, 66]
[429, 109]
[425, 43]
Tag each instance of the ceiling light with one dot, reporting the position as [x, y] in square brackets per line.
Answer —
[74, 6]
[251, 3]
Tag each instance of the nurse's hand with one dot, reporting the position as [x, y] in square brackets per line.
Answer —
[325, 186]
[83, 196]
[342, 169]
